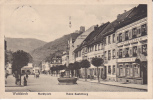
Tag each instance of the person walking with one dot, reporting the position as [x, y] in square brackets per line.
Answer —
[26, 76]
[16, 77]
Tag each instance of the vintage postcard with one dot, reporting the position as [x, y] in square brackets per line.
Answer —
[76, 49]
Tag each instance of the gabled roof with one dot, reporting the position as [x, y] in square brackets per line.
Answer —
[104, 26]
[121, 18]
[91, 36]
[126, 18]
[110, 28]
[137, 13]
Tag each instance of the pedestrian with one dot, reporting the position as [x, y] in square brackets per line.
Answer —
[24, 81]
[16, 77]
[26, 76]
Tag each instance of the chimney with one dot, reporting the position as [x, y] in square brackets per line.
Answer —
[118, 15]
[82, 29]
[96, 27]
[102, 23]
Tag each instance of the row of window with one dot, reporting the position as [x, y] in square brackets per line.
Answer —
[78, 54]
[127, 52]
[109, 39]
[129, 70]
[124, 53]
[135, 32]
[131, 34]
[133, 52]
[56, 61]
[111, 69]
[96, 47]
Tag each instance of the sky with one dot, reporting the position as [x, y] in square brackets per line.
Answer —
[49, 22]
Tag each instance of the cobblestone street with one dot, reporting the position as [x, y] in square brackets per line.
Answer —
[47, 83]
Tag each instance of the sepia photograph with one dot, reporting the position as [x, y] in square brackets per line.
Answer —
[75, 48]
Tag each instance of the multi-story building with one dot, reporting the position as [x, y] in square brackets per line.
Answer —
[120, 44]
[56, 61]
[71, 45]
[132, 45]
[74, 43]
[91, 48]
[109, 51]
[110, 47]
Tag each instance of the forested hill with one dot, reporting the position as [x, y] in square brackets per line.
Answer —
[50, 48]
[25, 44]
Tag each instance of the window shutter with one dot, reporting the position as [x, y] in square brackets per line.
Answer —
[117, 39]
[131, 70]
[123, 52]
[118, 71]
[124, 72]
[137, 31]
[139, 50]
[123, 36]
[116, 56]
[130, 34]
[131, 51]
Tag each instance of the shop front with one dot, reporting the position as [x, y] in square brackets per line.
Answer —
[132, 72]
[93, 73]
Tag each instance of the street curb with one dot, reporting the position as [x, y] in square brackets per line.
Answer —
[116, 85]
[14, 86]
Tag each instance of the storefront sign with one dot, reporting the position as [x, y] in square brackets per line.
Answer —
[132, 41]
[127, 59]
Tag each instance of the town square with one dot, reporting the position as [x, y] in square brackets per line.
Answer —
[76, 48]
